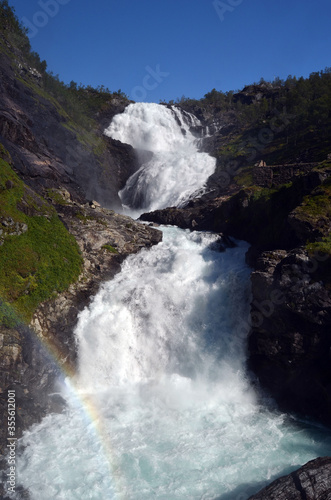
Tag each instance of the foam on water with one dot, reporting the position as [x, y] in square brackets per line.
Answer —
[162, 358]
[176, 170]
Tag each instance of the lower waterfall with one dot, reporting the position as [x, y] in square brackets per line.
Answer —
[162, 364]
[162, 406]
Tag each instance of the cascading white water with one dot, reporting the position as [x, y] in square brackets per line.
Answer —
[176, 170]
[172, 413]
[162, 356]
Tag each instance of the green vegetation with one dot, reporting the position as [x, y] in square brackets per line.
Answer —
[56, 197]
[38, 261]
[321, 247]
[8, 316]
[83, 217]
[316, 210]
[279, 122]
[244, 177]
[283, 121]
[4, 154]
[262, 213]
[316, 207]
[17, 35]
[109, 248]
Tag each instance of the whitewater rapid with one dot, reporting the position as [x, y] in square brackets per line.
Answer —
[177, 169]
[162, 406]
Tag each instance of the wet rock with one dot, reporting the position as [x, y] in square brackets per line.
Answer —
[310, 482]
[290, 342]
[28, 370]
[94, 204]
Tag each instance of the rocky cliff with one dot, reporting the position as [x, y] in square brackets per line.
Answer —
[51, 148]
[290, 341]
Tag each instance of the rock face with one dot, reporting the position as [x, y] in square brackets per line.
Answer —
[29, 370]
[290, 340]
[256, 92]
[310, 482]
[48, 149]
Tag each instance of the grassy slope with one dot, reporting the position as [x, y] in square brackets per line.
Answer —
[40, 261]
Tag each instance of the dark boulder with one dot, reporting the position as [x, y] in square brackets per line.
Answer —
[310, 482]
[290, 340]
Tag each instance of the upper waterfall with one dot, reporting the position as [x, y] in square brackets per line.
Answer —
[177, 168]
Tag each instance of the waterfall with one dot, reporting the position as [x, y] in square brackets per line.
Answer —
[162, 359]
[167, 313]
[169, 410]
[177, 168]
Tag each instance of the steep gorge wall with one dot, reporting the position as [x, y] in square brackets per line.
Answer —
[49, 148]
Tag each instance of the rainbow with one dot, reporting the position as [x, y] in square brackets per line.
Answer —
[86, 402]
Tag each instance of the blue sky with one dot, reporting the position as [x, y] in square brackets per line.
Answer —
[164, 49]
